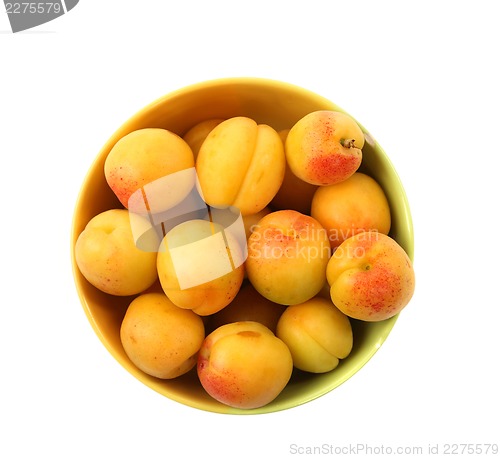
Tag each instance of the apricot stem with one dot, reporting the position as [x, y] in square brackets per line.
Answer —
[347, 142]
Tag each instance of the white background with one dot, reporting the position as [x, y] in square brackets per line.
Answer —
[421, 76]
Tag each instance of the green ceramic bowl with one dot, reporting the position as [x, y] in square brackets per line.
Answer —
[266, 101]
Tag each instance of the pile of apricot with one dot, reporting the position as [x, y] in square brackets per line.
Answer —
[245, 251]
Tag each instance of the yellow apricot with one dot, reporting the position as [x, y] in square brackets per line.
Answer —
[324, 147]
[200, 266]
[287, 257]
[355, 205]
[143, 157]
[108, 257]
[195, 136]
[241, 164]
[244, 365]
[317, 333]
[159, 338]
[371, 277]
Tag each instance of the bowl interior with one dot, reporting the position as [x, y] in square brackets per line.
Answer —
[279, 105]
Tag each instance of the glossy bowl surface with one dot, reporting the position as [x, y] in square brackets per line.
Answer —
[279, 105]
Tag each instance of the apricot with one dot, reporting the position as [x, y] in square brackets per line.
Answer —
[195, 136]
[200, 266]
[324, 147]
[294, 193]
[159, 338]
[148, 156]
[241, 164]
[108, 257]
[371, 277]
[244, 365]
[248, 305]
[287, 257]
[317, 334]
[355, 205]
